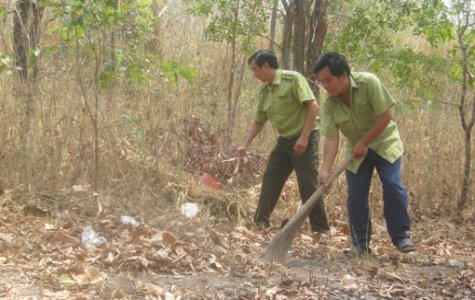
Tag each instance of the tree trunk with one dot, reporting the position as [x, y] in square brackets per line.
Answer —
[229, 97]
[466, 176]
[299, 36]
[237, 93]
[273, 22]
[26, 32]
[467, 124]
[317, 32]
[26, 36]
[287, 34]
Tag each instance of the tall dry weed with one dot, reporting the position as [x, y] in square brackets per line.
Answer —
[144, 141]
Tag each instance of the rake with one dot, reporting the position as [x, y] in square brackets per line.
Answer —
[280, 243]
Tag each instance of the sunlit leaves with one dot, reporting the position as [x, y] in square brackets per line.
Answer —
[432, 20]
[108, 33]
[174, 70]
[230, 19]
[5, 61]
[377, 36]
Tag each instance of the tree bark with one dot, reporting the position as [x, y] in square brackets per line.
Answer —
[273, 22]
[287, 33]
[26, 32]
[317, 31]
[26, 36]
[299, 36]
[467, 123]
[230, 91]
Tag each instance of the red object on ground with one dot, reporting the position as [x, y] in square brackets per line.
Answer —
[209, 180]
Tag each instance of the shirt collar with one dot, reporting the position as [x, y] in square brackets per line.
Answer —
[353, 82]
[278, 77]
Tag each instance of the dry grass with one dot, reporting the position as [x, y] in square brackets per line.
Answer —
[144, 137]
[149, 165]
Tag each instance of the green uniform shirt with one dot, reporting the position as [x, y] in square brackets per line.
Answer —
[282, 103]
[369, 99]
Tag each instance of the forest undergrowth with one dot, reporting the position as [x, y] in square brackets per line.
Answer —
[217, 253]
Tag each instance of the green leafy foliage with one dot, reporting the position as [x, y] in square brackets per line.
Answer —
[174, 70]
[112, 34]
[464, 20]
[432, 20]
[231, 20]
[374, 37]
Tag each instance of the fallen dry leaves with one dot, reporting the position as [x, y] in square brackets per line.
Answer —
[173, 257]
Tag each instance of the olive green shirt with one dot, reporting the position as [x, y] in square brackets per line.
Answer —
[282, 103]
[368, 100]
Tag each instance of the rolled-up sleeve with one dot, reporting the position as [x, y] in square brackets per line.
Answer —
[379, 96]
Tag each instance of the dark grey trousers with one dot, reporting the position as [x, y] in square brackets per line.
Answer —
[282, 161]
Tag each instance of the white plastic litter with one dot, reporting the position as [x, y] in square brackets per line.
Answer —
[89, 236]
[169, 296]
[129, 220]
[189, 209]
[455, 263]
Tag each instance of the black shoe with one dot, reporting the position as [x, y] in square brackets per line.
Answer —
[405, 245]
[321, 230]
[262, 224]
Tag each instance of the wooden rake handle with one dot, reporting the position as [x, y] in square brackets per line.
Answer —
[280, 243]
[305, 209]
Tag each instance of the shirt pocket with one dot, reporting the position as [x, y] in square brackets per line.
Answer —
[341, 119]
[345, 124]
[363, 108]
[284, 102]
[363, 115]
[285, 107]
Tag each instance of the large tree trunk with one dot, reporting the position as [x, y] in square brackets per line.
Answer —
[230, 91]
[299, 36]
[464, 194]
[287, 34]
[317, 32]
[26, 36]
[273, 22]
[26, 33]
[467, 115]
[467, 126]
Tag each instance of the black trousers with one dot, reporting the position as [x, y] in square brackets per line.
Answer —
[282, 161]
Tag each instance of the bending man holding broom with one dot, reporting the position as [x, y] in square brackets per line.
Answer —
[359, 106]
[287, 101]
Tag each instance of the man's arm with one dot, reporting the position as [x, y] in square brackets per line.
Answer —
[330, 150]
[253, 132]
[360, 149]
[302, 142]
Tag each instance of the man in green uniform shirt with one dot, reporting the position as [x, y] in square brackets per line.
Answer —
[359, 106]
[287, 101]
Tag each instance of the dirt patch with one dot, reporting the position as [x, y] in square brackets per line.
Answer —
[172, 257]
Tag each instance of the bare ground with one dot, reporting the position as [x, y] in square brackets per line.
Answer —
[171, 257]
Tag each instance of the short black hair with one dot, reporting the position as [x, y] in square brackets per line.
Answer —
[336, 63]
[264, 56]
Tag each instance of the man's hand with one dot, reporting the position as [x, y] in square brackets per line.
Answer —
[241, 150]
[361, 147]
[323, 179]
[301, 146]
[359, 150]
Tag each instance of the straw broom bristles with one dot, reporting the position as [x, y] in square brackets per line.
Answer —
[280, 243]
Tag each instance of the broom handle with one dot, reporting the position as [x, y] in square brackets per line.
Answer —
[305, 209]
